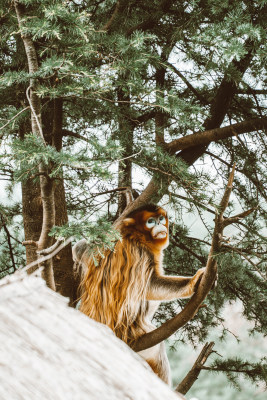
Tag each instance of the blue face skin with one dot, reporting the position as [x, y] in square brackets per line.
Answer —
[152, 221]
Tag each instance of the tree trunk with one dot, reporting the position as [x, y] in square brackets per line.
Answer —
[32, 212]
[126, 129]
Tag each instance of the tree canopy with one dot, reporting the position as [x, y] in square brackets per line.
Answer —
[152, 101]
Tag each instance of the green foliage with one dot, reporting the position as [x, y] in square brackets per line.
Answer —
[11, 249]
[256, 372]
[30, 152]
[101, 236]
[119, 98]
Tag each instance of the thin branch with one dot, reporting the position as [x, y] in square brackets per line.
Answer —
[12, 119]
[107, 26]
[256, 181]
[179, 196]
[9, 243]
[67, 132]
[49, 256]
[189, 250]
[193, 374]
[30, 243]
[236, 218]
[50, 249]
[188, 84]
[120, 189]
[244, 371]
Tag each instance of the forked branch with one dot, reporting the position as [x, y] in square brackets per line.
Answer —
[171, 326]
[194, 372]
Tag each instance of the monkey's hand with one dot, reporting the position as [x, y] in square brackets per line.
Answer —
[196, 279]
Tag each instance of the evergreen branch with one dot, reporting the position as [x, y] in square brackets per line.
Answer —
[107, 26]
[145, 117]
[67, 132]
[12, 119]
[214, 135]
[250, 91]
[236, 218]
[120, 189]
[188, 249]
[241, 252]
[257, 184]
[179, 196]
[253, 371]
[194, 372]
[9, 243]
[153, 19]
[244, 371]
[201, 99]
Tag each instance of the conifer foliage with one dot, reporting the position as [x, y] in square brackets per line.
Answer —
[153, 100]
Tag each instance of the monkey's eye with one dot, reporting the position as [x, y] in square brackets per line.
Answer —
[150, 222]
[162, 219]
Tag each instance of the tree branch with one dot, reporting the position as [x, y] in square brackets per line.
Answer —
[48, 256]
[153, 19]
[213, 135]
[168, 328]
[12, 119]
[201, 99]
[9, 243]
[182, 246]
[67, 132]
[193, 374]
[107, 26]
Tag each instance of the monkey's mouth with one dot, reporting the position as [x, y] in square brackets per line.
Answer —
[159, 232]
[160, 235]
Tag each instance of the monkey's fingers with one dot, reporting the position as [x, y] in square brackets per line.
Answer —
[198, 276]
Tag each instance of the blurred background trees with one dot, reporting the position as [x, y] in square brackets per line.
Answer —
[156, 99]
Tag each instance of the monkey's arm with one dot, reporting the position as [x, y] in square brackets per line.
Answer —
[173, 287]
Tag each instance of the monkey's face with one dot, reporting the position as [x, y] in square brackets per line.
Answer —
[157, 226]
[151, 225]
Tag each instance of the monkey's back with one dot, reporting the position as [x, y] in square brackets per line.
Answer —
[114, 292]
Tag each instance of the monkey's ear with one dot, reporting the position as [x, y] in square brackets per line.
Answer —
[128, 221]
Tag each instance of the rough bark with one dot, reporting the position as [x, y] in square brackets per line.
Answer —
[126, 129]
[62, 262]
[46, 184]
[214, 135]
[66, 284]
[32, 212]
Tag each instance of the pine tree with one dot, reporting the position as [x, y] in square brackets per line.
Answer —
[95, 95]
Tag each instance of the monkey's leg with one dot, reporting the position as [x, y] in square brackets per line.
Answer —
[157, 358]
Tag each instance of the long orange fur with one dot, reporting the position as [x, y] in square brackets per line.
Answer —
[114, 292]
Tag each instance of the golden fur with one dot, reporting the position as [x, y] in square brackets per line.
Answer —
[114, 292]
